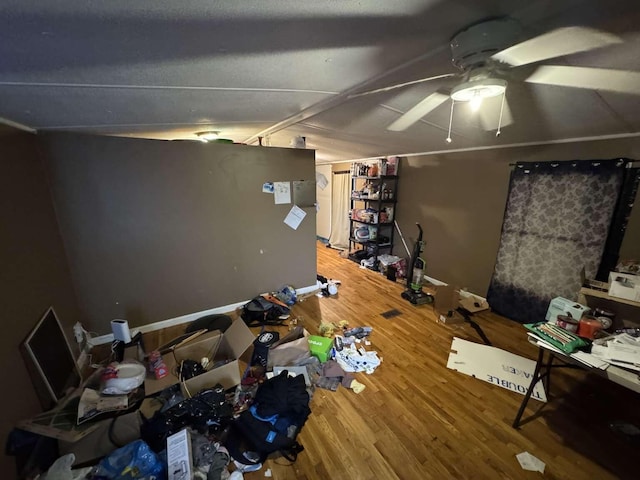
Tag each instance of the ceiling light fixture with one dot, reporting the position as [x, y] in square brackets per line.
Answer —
[478, 90]
[475, 103]
[474, 92]
[208, 136]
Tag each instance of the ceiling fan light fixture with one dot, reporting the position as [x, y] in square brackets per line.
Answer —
[208, 136]
[477, 90]
[475, 103]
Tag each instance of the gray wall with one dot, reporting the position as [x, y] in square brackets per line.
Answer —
[157, 229]
[459, 199]
[34, 274]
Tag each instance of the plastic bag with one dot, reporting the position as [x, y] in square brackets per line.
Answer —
[61, 468]
[133, 461]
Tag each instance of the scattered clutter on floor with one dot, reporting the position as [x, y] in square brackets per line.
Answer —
[328, 329]
[328, 287]
[200, 417]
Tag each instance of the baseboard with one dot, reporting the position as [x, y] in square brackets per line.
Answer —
[151, 327]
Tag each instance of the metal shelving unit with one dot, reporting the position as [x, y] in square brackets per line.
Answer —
[374, 196]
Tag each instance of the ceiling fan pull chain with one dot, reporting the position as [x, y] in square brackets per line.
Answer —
[448, 139]
[501, 110]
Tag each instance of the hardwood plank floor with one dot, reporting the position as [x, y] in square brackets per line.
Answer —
[416, 419]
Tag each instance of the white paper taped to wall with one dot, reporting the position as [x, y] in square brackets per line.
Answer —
[281, 192]
[295, 217]
[321, 181]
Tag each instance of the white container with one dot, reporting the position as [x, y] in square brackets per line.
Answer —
[624, 285]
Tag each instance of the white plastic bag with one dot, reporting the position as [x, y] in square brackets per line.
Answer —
[61, 468]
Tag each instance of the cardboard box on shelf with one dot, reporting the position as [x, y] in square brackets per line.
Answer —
[222, 349]
[624, 285]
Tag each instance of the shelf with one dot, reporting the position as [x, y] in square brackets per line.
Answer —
[366, 199]
[370, 242]
[382, 177]
[371, 193]
[381, 224]
[590, 292]
[353, 258]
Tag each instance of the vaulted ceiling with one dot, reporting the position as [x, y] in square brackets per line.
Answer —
[278, 69]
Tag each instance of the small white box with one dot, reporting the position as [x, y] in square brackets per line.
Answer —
[624, 285]
[120, 329]
[564, 306]
[179, 462]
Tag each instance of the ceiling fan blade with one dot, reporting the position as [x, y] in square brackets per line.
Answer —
[489, 113]
[411, 116]
[585, 77]
[400, 85]
[557, 43]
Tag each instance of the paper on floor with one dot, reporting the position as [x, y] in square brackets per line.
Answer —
[531, 463]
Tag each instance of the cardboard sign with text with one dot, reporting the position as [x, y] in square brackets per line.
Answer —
[495, 366]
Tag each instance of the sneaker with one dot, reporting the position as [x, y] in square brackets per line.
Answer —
[246, 468]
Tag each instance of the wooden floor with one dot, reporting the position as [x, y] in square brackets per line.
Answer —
[416, 419]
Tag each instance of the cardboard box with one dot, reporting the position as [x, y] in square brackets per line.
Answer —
[223, 348]
[474, 304]
[445, 299]
[451, 318]
[564, 306]
[445, 303]
[624, 285]
[320, 347]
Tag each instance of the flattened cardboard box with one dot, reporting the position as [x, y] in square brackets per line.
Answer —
[225, 347]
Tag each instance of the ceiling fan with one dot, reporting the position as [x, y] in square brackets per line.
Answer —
[486, 53]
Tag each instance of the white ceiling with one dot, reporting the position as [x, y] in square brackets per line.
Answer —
[277, 69]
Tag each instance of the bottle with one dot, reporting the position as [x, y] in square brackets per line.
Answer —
[383, 167]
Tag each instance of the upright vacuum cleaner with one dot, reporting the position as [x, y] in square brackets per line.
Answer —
[415, 275]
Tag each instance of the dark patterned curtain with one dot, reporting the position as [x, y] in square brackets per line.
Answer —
[556, 223]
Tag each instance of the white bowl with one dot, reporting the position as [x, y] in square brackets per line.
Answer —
[130, 376]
